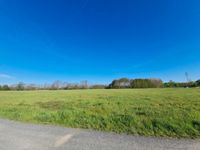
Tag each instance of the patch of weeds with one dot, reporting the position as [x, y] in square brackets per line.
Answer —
[147, 124]
[66, 114]
[51, 105]
[170, 128]
[121, 122]
[196, 125]
[98, 104]
[93, 121]
[23, 104]
[141, 113]
[147, 98]
[163, 127]
[44, 117]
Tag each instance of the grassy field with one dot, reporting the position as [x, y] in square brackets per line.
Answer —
[152, 112]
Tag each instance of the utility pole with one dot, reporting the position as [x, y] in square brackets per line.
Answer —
[187, 79]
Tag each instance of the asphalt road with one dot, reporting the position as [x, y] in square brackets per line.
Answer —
[20, 136]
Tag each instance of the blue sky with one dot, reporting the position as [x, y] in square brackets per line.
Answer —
[98, 40]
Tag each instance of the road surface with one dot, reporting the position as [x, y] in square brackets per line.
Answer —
[21, 136]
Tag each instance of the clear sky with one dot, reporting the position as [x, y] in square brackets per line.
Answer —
[98, 40]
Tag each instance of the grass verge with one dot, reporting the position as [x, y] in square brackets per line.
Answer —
[149, 112]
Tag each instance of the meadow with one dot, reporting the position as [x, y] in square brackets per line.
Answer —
[148, 112]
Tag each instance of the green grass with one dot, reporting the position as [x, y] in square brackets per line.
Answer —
[151, 112]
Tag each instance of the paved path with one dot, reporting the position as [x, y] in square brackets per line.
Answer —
[20, 136]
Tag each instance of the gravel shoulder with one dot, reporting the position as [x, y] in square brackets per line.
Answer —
[22, 136]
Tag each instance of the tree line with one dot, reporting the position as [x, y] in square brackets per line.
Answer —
[115, 84]
[136, 83]
[173, 84]
[57, 85]
[151, 83]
